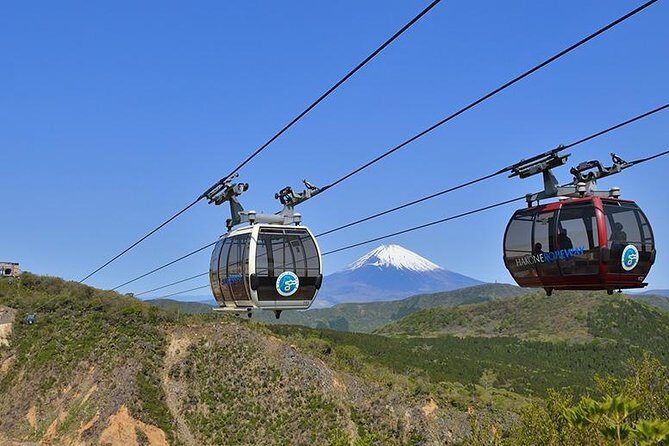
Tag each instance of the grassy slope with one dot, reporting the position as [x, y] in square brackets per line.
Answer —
[654, 300]
[239, 383]
[202, 379]
[208, 379]
[83, 339]
[365, 318]
[566, 316]
[526, 367]
[531, 342]
[180, 307]
[525, 344]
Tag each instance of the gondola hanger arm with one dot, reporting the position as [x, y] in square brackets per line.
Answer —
[585, 176]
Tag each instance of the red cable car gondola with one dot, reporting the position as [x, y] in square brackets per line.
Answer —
[588, 240]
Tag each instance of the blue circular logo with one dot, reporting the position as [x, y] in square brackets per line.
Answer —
[287, 283]
[630, 257]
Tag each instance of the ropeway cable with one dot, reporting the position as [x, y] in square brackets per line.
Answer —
[490, 94]
[432, 223]
[436, 194]
[311, 106]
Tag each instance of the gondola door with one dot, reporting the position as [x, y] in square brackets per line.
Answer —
[233, 271]
[545, 241]
[287, 268]
[215, 273]
[578, 235]
[630, 242]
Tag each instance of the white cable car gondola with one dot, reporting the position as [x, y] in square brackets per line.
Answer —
[271, 262]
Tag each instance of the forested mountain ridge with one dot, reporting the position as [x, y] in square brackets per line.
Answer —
[569, 316]
[366, 317]
[181, 306]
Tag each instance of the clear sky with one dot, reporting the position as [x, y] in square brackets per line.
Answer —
[115, 115]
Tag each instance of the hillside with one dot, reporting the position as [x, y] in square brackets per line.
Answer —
[366, 317]
[664, 293]
[575, 317]
[181, 306]
[656, 300]
[99, 367]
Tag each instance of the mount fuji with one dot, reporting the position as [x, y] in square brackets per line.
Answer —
[388, 272]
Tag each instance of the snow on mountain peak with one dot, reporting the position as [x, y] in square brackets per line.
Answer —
[394, 256]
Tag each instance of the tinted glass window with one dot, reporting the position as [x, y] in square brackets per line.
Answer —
[281, 250]
[577, 240]
[305, 253]
[519, 234]
[622, 225]
[289, 251]
[238, 266]
[214, 279]
[545, 241]
[518, 245]
[222, 270]
[627, 225]
[648, 242]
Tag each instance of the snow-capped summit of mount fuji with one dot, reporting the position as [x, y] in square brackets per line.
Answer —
[388, 272]
[394, 256]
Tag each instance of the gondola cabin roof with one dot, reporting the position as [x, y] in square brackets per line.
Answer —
[563, 201]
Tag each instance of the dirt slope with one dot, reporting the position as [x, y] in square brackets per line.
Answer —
[232, 383]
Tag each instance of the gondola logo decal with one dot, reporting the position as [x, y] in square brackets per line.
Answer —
[231, 279]
[630, 257]
[549, 257]
[287, 283]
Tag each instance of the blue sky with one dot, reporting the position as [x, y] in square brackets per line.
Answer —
[115, 115]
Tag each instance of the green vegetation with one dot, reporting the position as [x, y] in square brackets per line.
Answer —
[633, 410]
[575, 317]
[81, 334]
[508, 370]
[229, 387]
[525, 367]
[179, 307]
[661, 302]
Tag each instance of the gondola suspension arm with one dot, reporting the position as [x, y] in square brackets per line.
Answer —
[585, 175]
[227, 191]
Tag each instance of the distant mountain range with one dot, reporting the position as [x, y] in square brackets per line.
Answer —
[384, 286]
[368, 316]
[388, 272]
[656, 292]
[200, 298]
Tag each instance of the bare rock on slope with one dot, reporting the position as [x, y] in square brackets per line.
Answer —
[232, 384]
